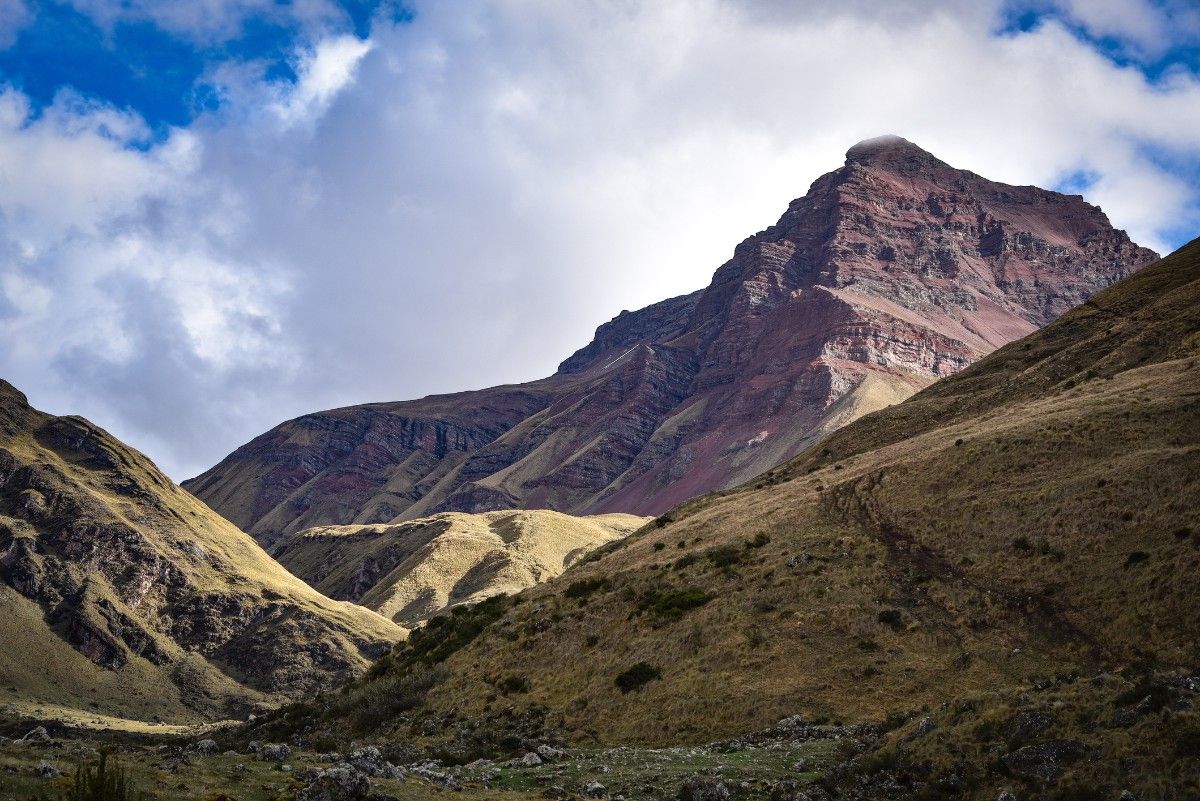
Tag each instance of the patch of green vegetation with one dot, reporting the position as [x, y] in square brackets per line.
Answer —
[637, 675]
[724, 556]
[103, 781]
[760, 539]
[515, 684]
[673, 603]
[892, 619]
[441, 636]
[582, 589]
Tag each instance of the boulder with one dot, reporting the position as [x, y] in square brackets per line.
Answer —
[37, 736]
[704, 788]
[371, 762]
[595, 790]
[47, 771]
[531, 760]
[549, 753]
[1044, 761]
[206, 747]
[274, 752]
[342, 782]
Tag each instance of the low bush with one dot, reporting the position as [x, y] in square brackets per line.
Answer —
[583, 588]
[673, 603]
[637, 675]
[105, 781]
[724, 556]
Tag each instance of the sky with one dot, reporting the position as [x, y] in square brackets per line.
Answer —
[216, 215]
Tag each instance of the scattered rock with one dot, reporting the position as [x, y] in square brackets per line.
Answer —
[595, 790]
[371, 762]
[1026, 725]
[342, 782]
[207, 747]
[788, 791]
[924, 726]
[549, 753]
[274, 752]
[37, 736]
[1044, 761]
[704, 788]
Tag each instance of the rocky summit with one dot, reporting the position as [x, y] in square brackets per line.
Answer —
[122, 596]
[894, 270]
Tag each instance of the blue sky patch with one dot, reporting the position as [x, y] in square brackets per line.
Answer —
[139, 66]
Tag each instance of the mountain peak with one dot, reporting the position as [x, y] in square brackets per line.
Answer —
[892, 151]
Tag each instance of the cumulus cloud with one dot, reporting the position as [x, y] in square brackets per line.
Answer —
[14, 16]
[209, 21]
[459, 200]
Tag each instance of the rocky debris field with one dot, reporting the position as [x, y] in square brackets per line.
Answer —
[776, 764]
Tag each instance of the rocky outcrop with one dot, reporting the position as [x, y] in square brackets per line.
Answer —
[893, 271]
[107, 567]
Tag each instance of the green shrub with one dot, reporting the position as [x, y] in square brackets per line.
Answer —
[637, 675]
[1022, 543]
[892, 619]
[441, 636]
[583, 588]
[377, 701]
[673, 603]
[1136, 557]
[724, 556]
[760, 539]
[103, 782]
[515, 684]
[684, 561]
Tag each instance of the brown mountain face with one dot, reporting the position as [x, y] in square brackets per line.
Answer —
[894, 270]
[123, 595]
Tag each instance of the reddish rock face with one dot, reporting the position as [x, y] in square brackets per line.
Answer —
[892, 271]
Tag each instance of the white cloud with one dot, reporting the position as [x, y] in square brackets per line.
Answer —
[321, 73]
[14, 16]
[460, 200]
[209, 21]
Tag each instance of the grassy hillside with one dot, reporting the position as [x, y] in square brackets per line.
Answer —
[123, 595]
[1033, 516]
[413, 570]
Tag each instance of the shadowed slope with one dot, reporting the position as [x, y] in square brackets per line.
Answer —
[123, 593]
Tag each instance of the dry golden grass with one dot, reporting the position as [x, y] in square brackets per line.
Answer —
[413, 570]
[1036, 514]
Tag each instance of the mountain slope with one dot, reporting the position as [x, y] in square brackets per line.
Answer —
[893, 271]
[411, 571]
[1032, 516]
[124, 594]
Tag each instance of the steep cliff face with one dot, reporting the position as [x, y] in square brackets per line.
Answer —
[122, 593]
[894, 270]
